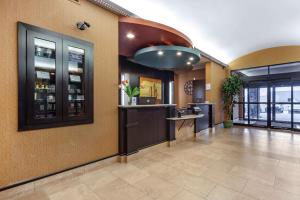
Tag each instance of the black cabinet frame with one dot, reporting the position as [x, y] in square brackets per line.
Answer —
[26, 79]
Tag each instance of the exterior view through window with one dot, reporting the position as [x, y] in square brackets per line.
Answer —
[270, 97]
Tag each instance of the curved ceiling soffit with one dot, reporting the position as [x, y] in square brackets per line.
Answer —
[292, 53]
[262, 48]
[168, 57]
[147, 33]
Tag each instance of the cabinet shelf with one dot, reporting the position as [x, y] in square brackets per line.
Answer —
[75, 73]
[43, 91]
[74, 100]
[45, 69]
[44, 100]
[44, 58]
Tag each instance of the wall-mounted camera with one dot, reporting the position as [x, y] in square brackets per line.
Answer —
[83, 25]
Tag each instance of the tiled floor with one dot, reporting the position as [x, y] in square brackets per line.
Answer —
[223, 164]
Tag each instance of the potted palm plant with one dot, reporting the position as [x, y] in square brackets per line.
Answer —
[131, 92]
[231, 88]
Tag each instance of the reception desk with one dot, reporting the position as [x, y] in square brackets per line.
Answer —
[208, 121]
[142, 126]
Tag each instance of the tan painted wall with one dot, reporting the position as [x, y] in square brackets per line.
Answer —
[181, 77]
[215, 76]
[269, 56]
[25, 155]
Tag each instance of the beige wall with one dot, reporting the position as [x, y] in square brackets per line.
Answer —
[181, 77]
[269, 56]
[215, 76]
[26, 155]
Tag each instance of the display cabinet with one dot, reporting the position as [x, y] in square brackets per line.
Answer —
[55, 79]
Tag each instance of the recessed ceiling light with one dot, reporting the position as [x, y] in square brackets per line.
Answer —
[130, 35]
[188, 63]
[160, 53]
[191, 58]
[179, 53]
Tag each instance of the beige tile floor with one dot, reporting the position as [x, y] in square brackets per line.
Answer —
[222, 164]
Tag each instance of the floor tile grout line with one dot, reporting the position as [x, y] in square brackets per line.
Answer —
[216, 184]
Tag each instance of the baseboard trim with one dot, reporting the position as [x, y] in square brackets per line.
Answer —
[52, 174]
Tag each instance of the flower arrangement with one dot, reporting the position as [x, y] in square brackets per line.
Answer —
[131, 92]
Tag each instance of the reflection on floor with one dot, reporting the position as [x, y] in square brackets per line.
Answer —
[255, 123]
[222, 164]
[284, 125]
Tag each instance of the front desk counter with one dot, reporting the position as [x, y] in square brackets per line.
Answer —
[143, 126]
[185, 126]
[208, 121]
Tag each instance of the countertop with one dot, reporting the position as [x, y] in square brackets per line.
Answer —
[200, 103]
[185, 117]
[147, 106]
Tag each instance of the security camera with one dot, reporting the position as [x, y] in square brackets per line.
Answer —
[83, 25]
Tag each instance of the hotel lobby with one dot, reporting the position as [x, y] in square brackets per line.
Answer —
[150, 100]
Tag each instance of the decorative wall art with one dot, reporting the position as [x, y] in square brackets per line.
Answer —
[150, 87]
[188, 87]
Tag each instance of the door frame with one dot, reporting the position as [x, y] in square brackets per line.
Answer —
[270, 79]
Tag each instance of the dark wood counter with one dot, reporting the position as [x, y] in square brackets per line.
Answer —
[208, 121]
[143, 126]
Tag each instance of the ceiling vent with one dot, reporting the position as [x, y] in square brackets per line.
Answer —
[75, 1]
[106, 4]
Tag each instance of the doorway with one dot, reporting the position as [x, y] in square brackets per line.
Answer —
[270, 97]
[270, 105]
[281, 105]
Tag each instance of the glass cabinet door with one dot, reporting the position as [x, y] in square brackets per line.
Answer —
[76, 85]
[43, 60]
[45, 65]
[75, 80]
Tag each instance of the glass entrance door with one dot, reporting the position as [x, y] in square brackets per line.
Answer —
[270, 97]
[281, 106]
[273, 105]
[295, 109]
[257, 106]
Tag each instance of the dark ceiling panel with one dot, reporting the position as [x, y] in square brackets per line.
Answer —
[147, 34]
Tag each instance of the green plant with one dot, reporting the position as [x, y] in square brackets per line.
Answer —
[131, 92]
[231, 88]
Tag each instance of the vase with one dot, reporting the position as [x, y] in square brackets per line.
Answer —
[133, 102]
[129, 101]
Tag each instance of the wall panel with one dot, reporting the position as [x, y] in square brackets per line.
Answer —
[27, 155]
[181, 77]
[215, 76]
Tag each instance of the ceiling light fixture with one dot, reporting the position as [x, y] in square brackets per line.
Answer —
[191, 58]
[188, 63]
[179, 53]
[160, 53]
[130, 35]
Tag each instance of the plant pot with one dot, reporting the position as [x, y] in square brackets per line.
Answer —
[228, 124]
[129, 101]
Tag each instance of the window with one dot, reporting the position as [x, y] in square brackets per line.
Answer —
[252, 72]
[285, 68]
